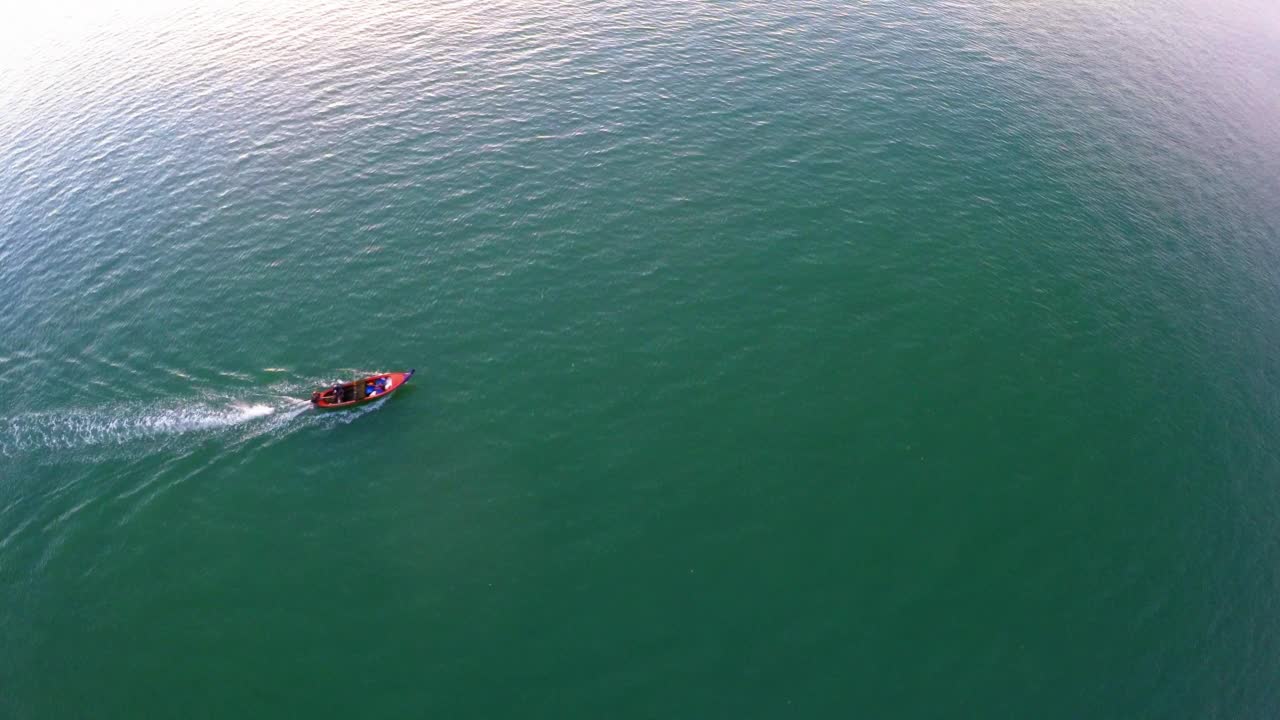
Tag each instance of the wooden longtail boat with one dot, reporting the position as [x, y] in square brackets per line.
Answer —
[358, 392]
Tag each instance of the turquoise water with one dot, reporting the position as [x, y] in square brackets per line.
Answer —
[802, 359]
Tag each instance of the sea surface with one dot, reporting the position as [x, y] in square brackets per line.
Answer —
[798, 358]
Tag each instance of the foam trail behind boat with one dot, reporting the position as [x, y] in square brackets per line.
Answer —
[53, 430]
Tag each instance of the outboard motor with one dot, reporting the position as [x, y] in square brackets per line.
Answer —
[315, 398]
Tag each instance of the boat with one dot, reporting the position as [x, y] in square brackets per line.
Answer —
[359, 392]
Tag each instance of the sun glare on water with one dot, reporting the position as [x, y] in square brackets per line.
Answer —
[30, 31]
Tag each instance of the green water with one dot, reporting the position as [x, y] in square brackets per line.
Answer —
[775, 359]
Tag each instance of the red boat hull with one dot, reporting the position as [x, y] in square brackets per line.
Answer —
[350, 394]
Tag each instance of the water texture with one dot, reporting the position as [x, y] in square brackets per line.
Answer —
[775, 359]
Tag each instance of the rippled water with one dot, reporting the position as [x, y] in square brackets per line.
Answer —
[775, 359]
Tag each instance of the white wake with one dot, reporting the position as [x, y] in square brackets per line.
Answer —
[125, 425]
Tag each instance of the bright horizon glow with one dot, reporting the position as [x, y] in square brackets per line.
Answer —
[29, 30]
